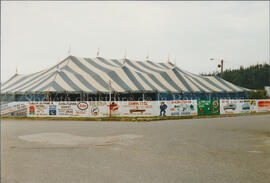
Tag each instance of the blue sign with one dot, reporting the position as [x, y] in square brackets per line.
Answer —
[52, 110]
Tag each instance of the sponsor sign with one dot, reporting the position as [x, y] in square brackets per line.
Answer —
[52, 110]
[247, 106]
[82, 106]
[263, 105]
[183, 108]
[229, 106]
[208, 107]
[237, 106]
[135, 108]
[66, 109]
[13, 108]
[21, 113]
[38, 109]
[95, 111]
[98, 109]
[72, 109]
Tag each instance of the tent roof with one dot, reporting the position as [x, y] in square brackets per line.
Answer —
[92, 75]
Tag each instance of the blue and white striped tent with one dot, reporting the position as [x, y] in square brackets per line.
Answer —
[92, 75]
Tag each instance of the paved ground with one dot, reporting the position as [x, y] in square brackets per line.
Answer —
[230, 150]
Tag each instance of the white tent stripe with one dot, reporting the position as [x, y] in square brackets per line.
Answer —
[148, 88]
[76, 74]
[194, 87]
[175, 79]
[48, 81]
[11, 82]
[157, 75]
[87, 77]
[60, 81]
[101, 73]
[150, 80]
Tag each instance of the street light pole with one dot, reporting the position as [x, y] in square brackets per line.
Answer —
[221, 72]
[219, 65]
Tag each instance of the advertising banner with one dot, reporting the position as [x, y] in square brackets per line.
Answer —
[182, 108]
[135, 108]
[14, 109]
[229, 106]
[208, 107]
[38, 109]
[68, 109]
[247, 106]
[98, 108]
[237, 106]
[263, 105]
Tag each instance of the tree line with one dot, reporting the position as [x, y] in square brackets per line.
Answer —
[252, 77]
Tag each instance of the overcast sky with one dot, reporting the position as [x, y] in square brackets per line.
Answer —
[36, 35]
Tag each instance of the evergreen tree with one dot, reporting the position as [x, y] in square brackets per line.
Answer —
[253, 77]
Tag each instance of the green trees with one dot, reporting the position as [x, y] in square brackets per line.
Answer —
[253, 77]
[259, 94]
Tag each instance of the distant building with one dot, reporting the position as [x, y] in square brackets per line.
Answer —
[267, 89]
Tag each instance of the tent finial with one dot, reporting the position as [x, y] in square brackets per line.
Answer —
[147, 57]
[98, 52]
[125, 55]
[69, 50]
[16, 70]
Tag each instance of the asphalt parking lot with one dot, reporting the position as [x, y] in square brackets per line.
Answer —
[229, 150]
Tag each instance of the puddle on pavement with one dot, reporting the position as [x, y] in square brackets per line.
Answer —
[71, 140]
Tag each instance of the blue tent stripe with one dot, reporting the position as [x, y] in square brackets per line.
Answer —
[112, 74]
[128, 75]
[199, 82]
[80, 78]
[132, 78]
[54, 85]
[182, 80]
[104, 61]
[69, 81]
[150, 75]
[40, 82]
[198, 86]
[146, 81]
[88, 71]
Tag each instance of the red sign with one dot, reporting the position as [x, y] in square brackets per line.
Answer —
[82, 105]
[265, 104]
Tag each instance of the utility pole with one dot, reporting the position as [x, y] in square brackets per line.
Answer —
[219, 65]
[221, 68]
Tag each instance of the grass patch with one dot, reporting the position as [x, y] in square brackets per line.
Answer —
[132, 119]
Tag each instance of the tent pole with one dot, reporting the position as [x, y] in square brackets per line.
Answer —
[110, 97]
[47, 96]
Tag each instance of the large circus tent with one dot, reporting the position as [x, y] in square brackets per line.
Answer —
[98, 77]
